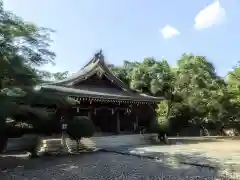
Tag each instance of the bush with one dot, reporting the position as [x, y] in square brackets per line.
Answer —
[79, 127]
[160, 125]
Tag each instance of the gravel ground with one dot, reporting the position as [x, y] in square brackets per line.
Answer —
[104, 166]
[224, 156]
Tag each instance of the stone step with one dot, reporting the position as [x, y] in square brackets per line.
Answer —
[98, 142]
[49, 146]
[85, 143]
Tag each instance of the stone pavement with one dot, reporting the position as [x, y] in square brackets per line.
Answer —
[105, 166]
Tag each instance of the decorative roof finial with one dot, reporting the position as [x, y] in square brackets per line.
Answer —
[99, 56]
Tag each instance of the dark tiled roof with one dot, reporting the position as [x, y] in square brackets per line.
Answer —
[95, 66]
[106, 93]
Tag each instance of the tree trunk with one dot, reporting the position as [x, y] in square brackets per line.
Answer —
[33, 150]
[3, 137]
[3, 142]
[165, 139]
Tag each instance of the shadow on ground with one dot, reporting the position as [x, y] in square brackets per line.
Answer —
[108, 166]
[121, 163]
[197, 140]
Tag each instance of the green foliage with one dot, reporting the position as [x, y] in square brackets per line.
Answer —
[195, 93]
[160, 124]
[60, 75]
[79, 127]
[162, 109]
[24, 48]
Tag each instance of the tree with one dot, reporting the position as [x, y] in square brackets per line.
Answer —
[124, 72]
[196, 95]
[60, 75]
[80, 127]
[233, 87]
[200, 88]
[161, 123]
[24, 48]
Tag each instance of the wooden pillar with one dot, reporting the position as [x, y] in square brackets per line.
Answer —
[136, 118]
[90, 113]
[118, 122]
[136, 123]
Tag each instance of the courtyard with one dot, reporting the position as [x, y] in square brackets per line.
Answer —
[219, 159]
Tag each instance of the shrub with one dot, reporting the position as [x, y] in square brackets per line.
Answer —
[160, 125]
[79, 127]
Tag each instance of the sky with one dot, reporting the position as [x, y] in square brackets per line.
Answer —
[135, 29]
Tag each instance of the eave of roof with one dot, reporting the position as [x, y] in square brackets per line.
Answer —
[102, 95]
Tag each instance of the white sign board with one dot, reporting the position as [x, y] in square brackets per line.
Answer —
[64, 126]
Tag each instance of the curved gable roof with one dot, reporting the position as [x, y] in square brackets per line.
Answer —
[97, 66]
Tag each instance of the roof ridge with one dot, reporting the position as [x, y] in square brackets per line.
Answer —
[97, 61]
